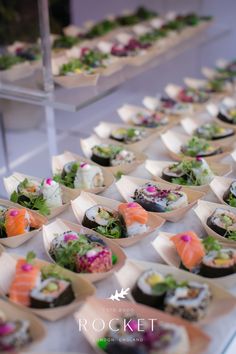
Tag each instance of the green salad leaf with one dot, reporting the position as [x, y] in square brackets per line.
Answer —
[211, 244]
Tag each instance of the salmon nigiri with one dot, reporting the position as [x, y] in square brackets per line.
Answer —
[26, 278]
[17, 222]
[189, 248]
[135, 218]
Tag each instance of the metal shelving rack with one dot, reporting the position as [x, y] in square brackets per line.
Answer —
[51, 97]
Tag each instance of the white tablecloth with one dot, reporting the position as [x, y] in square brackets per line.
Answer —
[63, 335]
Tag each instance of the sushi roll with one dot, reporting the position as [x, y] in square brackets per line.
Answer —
[197, 147]
[135, 218]
[196, 173]
[153, 120]
[51, 192]
[189, 248]
[213, 131]
[227, 114]
[144, 289]
[222, 221]
[189, 302]
[27, 277]
[97, 215]
[88, 176]
[28, 189]
[220, 263]
[127, 135]
[14, 335]
[152, 198]
[50, 293]
[81, 175]
[17, 222]
[163, 338]
[111, 155]
[230, 195]
[60, 241]
[104, 220]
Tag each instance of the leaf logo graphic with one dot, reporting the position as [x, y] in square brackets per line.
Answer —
[119, 295]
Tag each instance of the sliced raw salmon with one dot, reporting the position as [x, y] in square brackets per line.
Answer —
[189, 248]
[17, 222]
[26, 278]
[133, 212]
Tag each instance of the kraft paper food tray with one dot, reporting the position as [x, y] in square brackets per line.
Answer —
[127, 111]
[16, 241]
[17, 72]
[156, 168]
[213, 109]
[81, 287]
[86, 200]
[220, 185]
[174, 140]
[58, 163]
[108, 309]
[15, 312]
[173, 90]
[201, 84]
[77, 80]
[127, 185]
[12, 182]
[59, 226]
[104, 129]
[166, 249]
[190, 125]
[222, 301]
[87, 144]
[205, 209]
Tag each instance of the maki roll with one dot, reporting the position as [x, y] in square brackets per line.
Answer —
[213, 131]
[153, 198]
[227, 114]
[14, 335]
[105, 221]
[190, 95]
[81, 253]
[111, 155]
[230, 195]
[218, 263]
[80, 175]
[134, 217]
[153, 120]
[156, 338]
[145, 291]
[196, 147]
[51, 293]
[190, 301]
[195, 173]
[189, 248]
[51, 192]
[40, 196]
[127, 135]
[223, 222]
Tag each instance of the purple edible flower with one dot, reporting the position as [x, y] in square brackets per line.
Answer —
[6, 328]
[27, 267]
[49, 181]
[133, 326]
[83, 164]
[70, 237]
[131, 205]
[14, 212]
[151, 189]
[186, 238]
[198, 158]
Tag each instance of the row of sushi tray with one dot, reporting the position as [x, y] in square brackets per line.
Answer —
[185, 293]
[81, 55]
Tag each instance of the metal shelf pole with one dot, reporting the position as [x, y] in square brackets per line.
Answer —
[47, 74]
